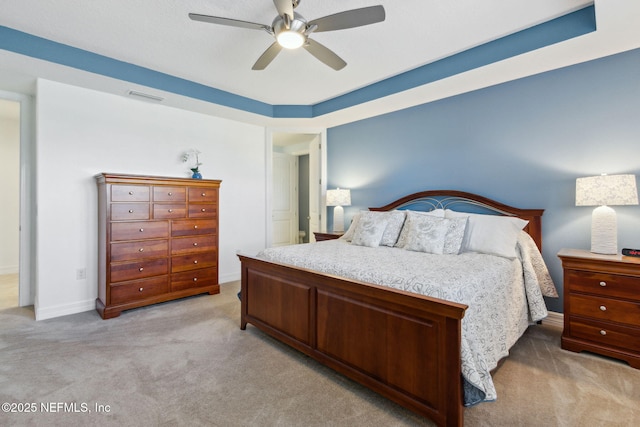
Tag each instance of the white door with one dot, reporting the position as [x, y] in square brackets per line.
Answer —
[284, 212]
[314, 188]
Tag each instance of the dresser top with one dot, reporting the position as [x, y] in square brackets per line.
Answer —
[147, 179]
[590, 256]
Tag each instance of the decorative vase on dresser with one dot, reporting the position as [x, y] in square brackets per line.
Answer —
[602, 304]
[158, 240]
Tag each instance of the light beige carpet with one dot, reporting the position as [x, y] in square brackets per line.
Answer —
[188, 363]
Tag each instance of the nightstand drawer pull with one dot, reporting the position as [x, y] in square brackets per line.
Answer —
[141, 289]
[603, 308]
[169, 193]
[603, 284]
[141, 230]
[195, 279]
[603, 332]
[141, 269]
[170, 210]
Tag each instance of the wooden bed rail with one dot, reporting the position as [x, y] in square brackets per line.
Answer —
[401, 345]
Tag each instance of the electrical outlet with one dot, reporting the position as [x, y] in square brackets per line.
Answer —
[81, 274]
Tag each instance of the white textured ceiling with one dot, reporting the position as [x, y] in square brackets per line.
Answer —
[158, 34]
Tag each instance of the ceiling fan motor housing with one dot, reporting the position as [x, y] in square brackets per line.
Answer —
[292, 30]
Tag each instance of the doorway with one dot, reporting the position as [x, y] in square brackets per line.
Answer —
[296, 187]
[10, 203]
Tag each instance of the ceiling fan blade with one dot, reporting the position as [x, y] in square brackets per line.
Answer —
[285, 7]
[268, 56]
[324, 54]
[350, 19]
[229, 22]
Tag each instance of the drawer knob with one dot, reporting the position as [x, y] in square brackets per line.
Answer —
[195, 262]
[170, 210]
[141, 289]
[195, 279]
[141, 250]
[131, 193]
[141, 230]
[603, 332]
[170, 193]
[130, 210]
[195, 244]
[141, 269]
[204, 194]
[203, 209]
[195, 226]
[603, 308]
[603, 284]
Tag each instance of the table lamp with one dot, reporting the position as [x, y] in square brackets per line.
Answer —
[605, 191]
[338, 198]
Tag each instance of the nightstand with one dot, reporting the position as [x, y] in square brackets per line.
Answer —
[327, 236]
[602, 304]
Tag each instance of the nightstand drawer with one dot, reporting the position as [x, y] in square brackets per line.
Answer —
[611, 285]
[605, 309]
[608, 335]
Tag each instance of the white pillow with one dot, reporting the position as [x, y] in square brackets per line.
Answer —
[348, 235]
[490, 234]
[369, 230]
[402, 239]
[434, 235]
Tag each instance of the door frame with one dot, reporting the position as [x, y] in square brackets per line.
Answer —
[26, 258]
[269, 132]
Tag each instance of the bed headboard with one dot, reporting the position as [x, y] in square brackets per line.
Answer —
[469, 202]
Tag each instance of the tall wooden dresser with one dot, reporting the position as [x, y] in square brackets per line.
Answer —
[158, 240]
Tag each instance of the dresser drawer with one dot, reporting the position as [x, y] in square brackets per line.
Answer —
[612, 285]
[129, 211]
[129, 193]
[139, 230]
[608, 335]
[203, 195]
[193, 227]
[139, 289]
[168, 211]
[139, 269]
[139, 250]
[193, 261]
[191, 244]
[605, 309]
[202, 211]
[169, 194]
[194, 279]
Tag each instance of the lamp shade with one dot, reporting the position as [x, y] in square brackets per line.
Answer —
[606, 190]
[339, 197]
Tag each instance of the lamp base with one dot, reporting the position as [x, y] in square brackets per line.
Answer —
[604, 231]
[338, 219]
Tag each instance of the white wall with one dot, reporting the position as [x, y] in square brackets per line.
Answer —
[81, 133]
[10, 194]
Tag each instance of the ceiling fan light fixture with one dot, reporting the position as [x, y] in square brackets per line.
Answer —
[290, 39]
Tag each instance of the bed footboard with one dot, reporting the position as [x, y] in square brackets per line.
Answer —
[403, 346]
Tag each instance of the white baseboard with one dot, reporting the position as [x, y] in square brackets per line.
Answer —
[554, 319]
[43, 313]
[9, 269]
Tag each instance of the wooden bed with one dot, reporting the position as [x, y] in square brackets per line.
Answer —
[401, 345]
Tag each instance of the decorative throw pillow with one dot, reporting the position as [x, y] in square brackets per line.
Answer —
[455, 235]
[369, 230]
[426, 233]
[395, 220]
[402, 239]
[490, 234]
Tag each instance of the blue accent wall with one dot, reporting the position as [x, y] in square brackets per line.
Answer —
[522, 143]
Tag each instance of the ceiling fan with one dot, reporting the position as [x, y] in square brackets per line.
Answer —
[292, 31]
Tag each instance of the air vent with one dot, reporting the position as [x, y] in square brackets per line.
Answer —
[146, 96]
